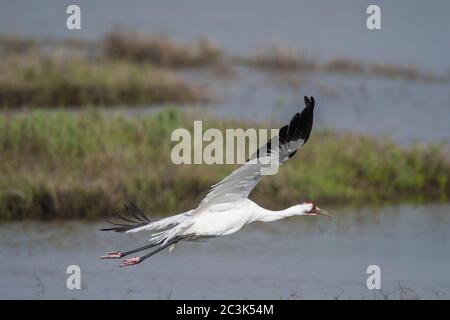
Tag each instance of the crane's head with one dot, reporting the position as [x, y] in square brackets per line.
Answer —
[310, 209]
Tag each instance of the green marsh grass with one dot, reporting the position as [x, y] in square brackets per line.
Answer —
[85, 165]
[59, 81]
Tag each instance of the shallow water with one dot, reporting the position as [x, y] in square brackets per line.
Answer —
[412, 30]
[298, 258]
[405, 111]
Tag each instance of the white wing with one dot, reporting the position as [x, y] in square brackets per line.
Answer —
[241, 181]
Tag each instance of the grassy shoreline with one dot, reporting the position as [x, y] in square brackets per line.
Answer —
[287, 60]
[56, 165]
[58, 81]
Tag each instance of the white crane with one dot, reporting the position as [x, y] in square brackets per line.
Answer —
[226, 208]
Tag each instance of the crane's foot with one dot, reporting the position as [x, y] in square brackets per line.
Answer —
[112, 255]
[130, 261]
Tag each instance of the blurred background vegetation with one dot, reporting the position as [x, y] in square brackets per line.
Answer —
[63, 155]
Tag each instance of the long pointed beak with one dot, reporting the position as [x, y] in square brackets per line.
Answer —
[323, 212]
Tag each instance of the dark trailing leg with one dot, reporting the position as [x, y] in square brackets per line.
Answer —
[120, 254]
[136, 260]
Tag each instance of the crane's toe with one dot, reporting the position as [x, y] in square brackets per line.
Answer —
[112, 255]
[130, 261]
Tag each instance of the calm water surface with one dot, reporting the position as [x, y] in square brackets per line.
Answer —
[405, 111]
[296, 258]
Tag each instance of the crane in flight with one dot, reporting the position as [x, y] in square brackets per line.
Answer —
[226, 208]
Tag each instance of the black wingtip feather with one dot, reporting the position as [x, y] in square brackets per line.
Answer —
[309, 102]
[127, 223]
[301, 124]
[299, 128]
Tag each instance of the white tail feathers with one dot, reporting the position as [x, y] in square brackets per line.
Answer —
[160, 224]
[170, 227]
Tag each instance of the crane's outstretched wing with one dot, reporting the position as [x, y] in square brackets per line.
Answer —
[241, 181]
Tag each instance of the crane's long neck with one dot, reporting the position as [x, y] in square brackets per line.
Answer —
[265, 215]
